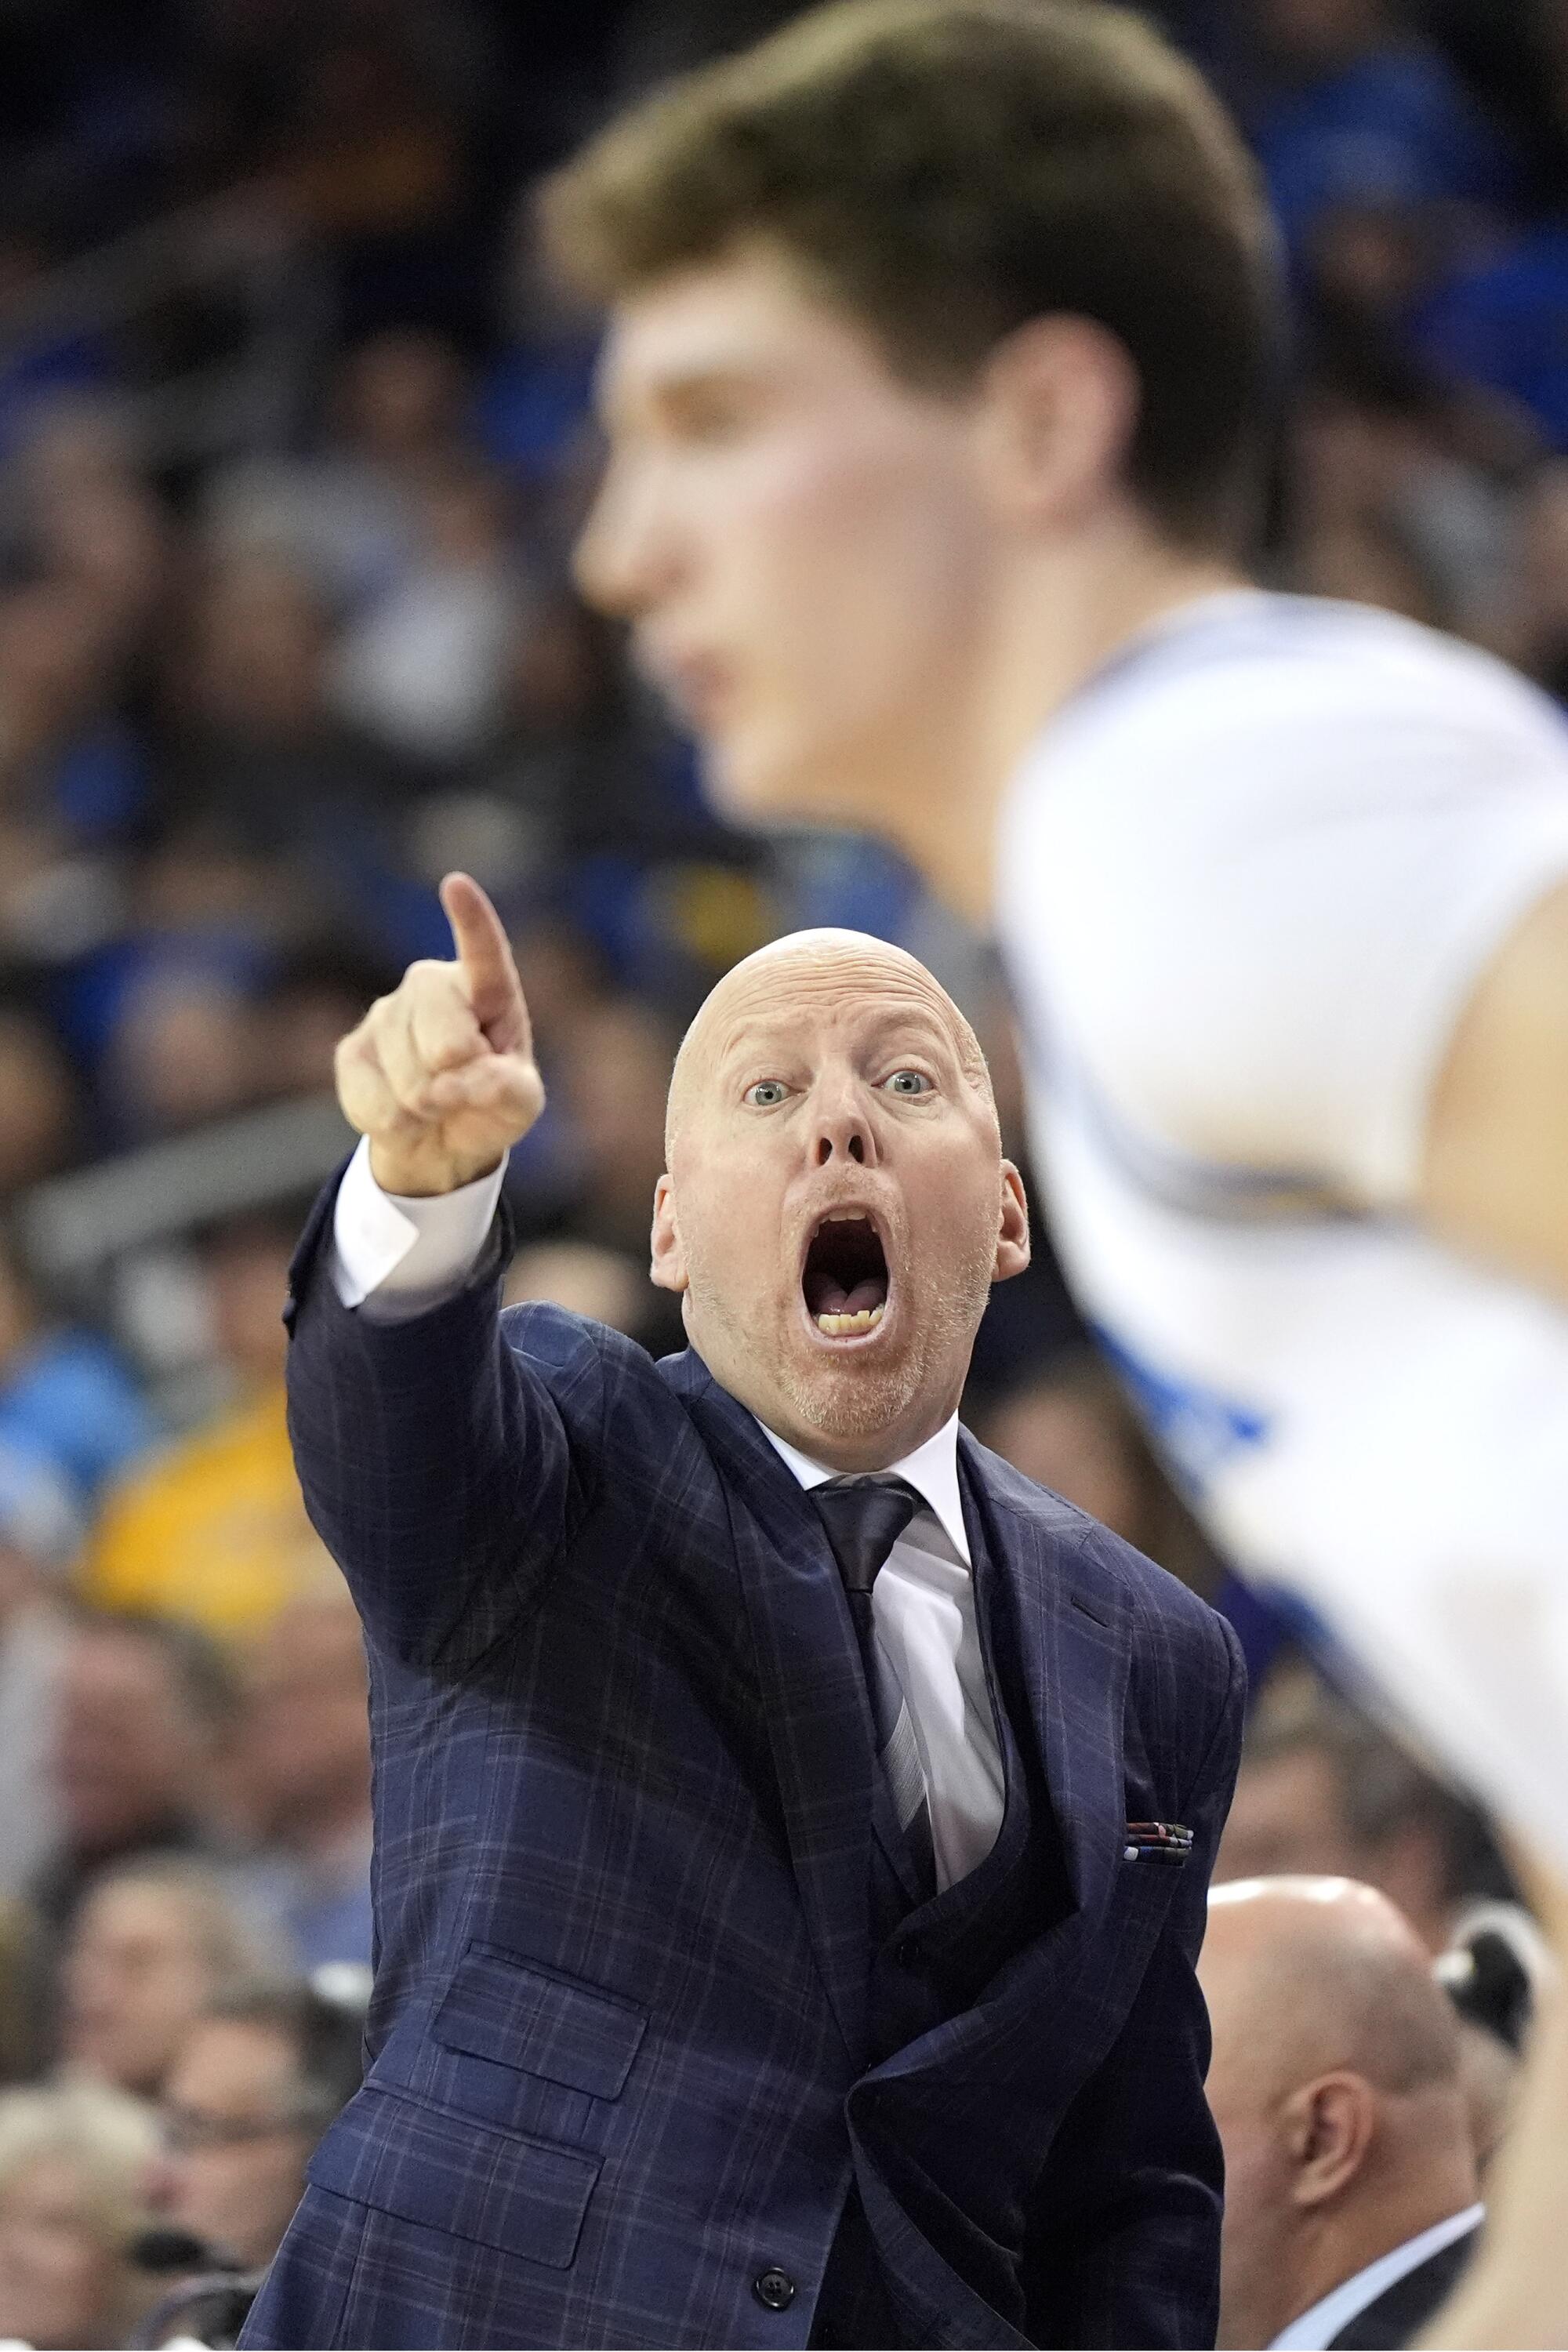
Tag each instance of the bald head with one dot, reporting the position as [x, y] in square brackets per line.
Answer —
[1336, 2087]
[1307, 1975]
[836, 1205]
[808, 967]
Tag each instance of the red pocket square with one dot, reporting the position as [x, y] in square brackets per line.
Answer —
[1157, 1842]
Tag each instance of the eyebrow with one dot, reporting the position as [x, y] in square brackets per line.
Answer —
[614, 401]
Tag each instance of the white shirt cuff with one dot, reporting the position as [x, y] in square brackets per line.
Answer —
[395, 1255]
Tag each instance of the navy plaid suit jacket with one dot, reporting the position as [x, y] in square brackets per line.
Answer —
[619, 2065]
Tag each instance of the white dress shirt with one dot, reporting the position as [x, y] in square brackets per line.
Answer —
[1316, 2328]
[395, 1256]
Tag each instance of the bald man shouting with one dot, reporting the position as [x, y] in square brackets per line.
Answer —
[1350, 2197]
[793, 1827]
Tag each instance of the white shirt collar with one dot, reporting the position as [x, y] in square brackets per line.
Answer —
[1318, 2327]
[932, 1470]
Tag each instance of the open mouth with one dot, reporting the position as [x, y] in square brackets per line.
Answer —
[845, 1278]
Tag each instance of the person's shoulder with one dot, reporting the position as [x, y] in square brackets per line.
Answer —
[1207, 801]
[1263, 687]
[556, 1340]
[1340, 658]
[601, 1380]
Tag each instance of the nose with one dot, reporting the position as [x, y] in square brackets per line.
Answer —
[622, 560]
[161, 2183]
[843, 1133]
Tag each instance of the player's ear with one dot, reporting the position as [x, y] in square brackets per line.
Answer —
[1013, 1233]
[668, 1269]
[1057, 410]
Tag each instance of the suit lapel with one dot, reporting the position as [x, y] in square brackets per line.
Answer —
[1074, 1644]
[814, 1693]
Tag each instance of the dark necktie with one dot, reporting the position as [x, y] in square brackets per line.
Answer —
[863, 1518]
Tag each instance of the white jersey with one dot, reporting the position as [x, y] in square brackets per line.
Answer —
[1249, 879]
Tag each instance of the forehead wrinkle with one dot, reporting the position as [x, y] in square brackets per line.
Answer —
[772, 1027]
[819, 962]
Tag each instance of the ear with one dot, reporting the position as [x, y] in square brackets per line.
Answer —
[1329, 2126]
[668, 1269]
[1058, 408]
[1013, 1235]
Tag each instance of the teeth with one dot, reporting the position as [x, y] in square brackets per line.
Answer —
[842, 1327]
[844, 1217]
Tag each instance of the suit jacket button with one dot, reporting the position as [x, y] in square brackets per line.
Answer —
[774, 2290]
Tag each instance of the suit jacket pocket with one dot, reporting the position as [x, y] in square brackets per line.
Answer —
[451, 2173]
[515, 2014]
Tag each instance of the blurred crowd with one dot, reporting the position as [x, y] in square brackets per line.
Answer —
[295, 430]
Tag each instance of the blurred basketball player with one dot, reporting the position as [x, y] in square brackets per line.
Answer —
[944, 341]
[940, 383]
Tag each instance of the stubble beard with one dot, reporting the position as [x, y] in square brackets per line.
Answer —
[862, 1391]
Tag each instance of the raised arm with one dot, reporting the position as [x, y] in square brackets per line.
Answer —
[440, 1074]
[441, 1465]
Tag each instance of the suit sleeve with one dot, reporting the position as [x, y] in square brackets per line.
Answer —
[444, 1459]
[1123, 2240]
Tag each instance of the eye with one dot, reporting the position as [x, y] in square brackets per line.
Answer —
[709, 413]
[911, 1083]
[766, 1094]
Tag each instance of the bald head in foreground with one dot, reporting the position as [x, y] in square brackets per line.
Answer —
[793, 1826]
[1351, 2194]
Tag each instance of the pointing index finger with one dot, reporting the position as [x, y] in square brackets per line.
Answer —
[485, 960]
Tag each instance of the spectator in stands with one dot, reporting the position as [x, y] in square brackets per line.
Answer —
[584, 761]
[1498, 324]
[41, 1531]
[424, 669]
[184, 1048]
[152, 1943]
[46, 358]
[144, 1726]
[607, 1285]
[348, 515]
[320, 991]
[1380, 463]
[533, 411]
[40, 1106]
[85, 513]
[64, 1394]
[71, 775]
[23, 1992]
[261, 2072]
[1361, 115]
[213, 1530]
[1069, 1428]
[1350, 2197]
[613, 1078]
[73, 2168]
[254, 746]
[304, 1775]
[1322, 1790]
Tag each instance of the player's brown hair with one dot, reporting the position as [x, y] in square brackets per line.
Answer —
[946, 170]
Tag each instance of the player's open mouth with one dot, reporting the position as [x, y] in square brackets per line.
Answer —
[844, 1281]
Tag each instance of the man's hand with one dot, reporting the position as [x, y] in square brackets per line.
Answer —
[440, 1074]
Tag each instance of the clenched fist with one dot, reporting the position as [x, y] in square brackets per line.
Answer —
[440, 1074]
